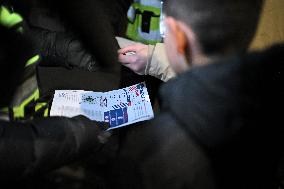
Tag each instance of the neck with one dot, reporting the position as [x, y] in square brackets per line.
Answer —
[202, 59]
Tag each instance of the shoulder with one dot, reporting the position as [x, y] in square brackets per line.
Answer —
[202, 86]
[164, 155]
[214, 102]
[227, 78]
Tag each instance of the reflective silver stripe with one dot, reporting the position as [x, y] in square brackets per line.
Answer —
[154, 35]
[151, 3]
[131, 14]
[4, 117]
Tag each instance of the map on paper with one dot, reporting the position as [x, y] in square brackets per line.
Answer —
[118, 107]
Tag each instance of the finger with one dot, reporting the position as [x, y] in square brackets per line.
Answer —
[130, 48]
[126, 59]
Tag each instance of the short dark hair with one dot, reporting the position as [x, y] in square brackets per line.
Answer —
[219, 24]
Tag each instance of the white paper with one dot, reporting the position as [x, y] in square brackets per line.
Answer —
[118, 107]
[123, 42]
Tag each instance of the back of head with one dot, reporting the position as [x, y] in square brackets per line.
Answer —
[14, 52]
[220, 25]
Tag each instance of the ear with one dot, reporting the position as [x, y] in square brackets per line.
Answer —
[178, 33]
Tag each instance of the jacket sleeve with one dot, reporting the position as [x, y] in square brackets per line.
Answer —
[89, 20]
[158, 64]
[41, 145]
[160, 154]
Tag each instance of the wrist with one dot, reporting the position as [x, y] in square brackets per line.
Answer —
[151, 49]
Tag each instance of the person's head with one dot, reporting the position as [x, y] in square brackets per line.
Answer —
[200, 29]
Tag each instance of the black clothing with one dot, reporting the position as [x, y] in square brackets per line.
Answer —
[77, 33]
[12, 62]
[64, 40]
[41, 145]
[91, 21]
[34, 147]
[219, 127]
[56, 45]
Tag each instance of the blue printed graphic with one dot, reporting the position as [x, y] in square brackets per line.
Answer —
[113, 118]
[116, 117]
[106, 117]
[140, 87]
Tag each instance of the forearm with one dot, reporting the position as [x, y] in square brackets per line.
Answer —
[158, 64]
[89, 20]
[45, 144]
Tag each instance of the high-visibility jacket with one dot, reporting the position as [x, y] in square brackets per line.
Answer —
[26, 101]
[144, 21]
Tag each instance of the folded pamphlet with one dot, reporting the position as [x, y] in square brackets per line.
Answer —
[117, 108]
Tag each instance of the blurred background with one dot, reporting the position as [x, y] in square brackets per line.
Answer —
[271, 26]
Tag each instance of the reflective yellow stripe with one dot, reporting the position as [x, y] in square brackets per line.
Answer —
[132, 30]
[19, 111]
[39, 106]
[142, 8]
[33, 60]
[8, 19]
[45, 113]
[155, 20]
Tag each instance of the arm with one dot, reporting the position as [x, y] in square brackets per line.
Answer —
[88, 19]
[158, 64]
[159, 154]
[41, 145]
[147, 60]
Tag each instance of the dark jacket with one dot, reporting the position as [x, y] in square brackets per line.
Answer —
[220, 126]
[73, 33]
[94, 22]
[12, 62]
[35, 147]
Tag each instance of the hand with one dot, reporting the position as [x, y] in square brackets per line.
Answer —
[98, 128]
[137, 60]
